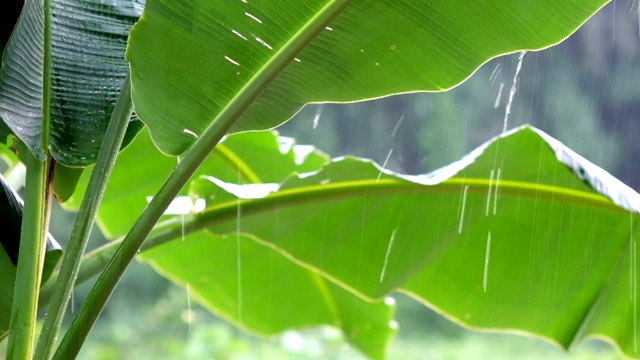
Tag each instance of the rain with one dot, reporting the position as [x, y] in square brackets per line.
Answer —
[386, 257]
[512, 92]
[487, 257]
[463, 208]
[569, 91]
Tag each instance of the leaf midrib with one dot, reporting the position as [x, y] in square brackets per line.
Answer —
[369, 187]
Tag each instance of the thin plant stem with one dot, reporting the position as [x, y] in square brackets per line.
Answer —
[97, 298]
[30, 261]
[85, 220]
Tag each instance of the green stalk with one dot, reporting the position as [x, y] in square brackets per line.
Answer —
[34, 223]
[107, 281]
[30, 262]
[85, 220]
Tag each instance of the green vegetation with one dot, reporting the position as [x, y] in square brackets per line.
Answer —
[514, 237]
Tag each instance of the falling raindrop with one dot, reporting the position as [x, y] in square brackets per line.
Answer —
[395, 129]
[316, 119]
[384, 165]
[495, 73]
[486, 263]
[497, 102]
[496, 191]
[386, 257]
[512, 92]
[462, 208]
[488, 204]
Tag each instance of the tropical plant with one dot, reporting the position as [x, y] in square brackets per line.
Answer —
[332, 243]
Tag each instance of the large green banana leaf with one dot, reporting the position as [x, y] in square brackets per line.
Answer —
[190, 59]
[87, 73]
[522, 235]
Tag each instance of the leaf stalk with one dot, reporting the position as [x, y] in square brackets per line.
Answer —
[30, 261]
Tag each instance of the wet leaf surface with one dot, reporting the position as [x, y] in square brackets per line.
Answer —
[209, 51]
[522, 235]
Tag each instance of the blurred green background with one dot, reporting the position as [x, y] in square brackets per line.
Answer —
[584, 92]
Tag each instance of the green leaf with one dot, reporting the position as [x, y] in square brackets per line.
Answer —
[209, 51]
[258, 289]
[89, 39]
[522, 235]
[65, 180]
[241, 158]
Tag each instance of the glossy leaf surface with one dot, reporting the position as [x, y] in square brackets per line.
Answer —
[189, 59]
[88, 70]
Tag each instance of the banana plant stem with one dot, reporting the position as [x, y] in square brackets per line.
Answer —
[30, 261]
[97, 298]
